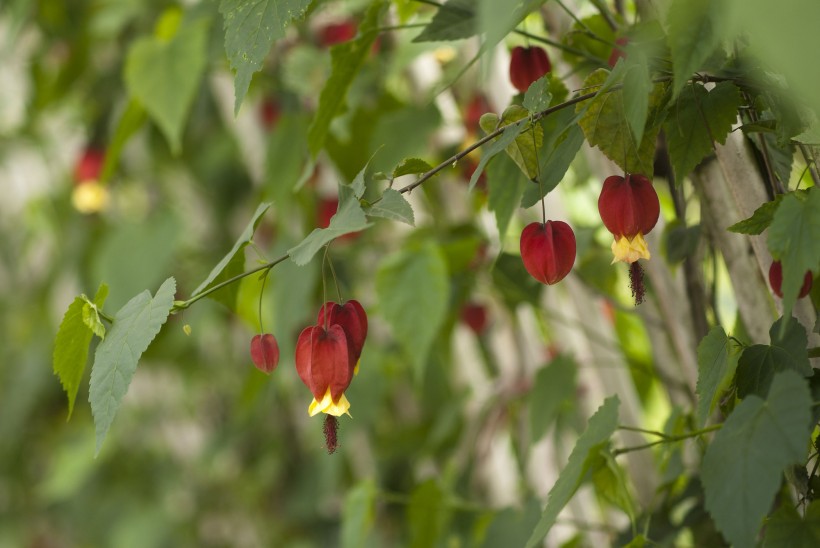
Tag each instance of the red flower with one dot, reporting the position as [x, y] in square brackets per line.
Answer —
[629, 208]
[89, 166]
[265, 352]
[548, 250]
[475, 316]
[336, 33]
[776, 280]
[618, 51]
[353, 320]
[323, 364]
[528, 65]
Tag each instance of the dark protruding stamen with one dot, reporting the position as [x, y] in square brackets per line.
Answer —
[331, 428]
[636, 282]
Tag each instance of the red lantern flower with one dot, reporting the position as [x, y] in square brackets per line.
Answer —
[265, 352]
[353, 320]
[629, 208]
[336, 33]
[548, 250]
[618, 51]
[323, 364]
[776, 280]
[89, 166]
[528, 65]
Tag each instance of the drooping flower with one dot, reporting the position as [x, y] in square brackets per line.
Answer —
[265, 352]
[528, 65]
[548, 250]
[323, 364]
[776, 281]
[629, 208]
[353, 320]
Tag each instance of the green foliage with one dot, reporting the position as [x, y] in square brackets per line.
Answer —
[251, 28]
[393, 206]
[600, 428]
[538, 97]
[412, 288]
[743, 466]
[522, 149]
[455, 19]
[164, 74]
[411, 166]
[793, 241]
[505, 184]
[231, 264]
[511, 527]
[759, 363]
[358, 514]
[553, 391]
[427, 514]
[698, 119]
[760, 219]
[717, 359]
[91, 311]
[680, 241]
[787, 528]
[347, 59]
[115, 361]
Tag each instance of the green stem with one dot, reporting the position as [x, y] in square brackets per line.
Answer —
[666, 438]
[182, 305]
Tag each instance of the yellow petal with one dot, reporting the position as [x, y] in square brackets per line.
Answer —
[629, 251]
[90, 197]
[356, 369]
[327, 405]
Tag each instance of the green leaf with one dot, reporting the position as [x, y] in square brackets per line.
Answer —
[348, 218]
[413, 288]
[793, 241]
[164, 75]
[251, 27]
[115, 361]
[760, 219]
[759, 363]
[605, 125]
[743, 466]
[787, 528]
[347, 59]
[558, 152]
[411, 166]
[596, 436]
[71, 350]
[502, 142]
[131, 120]
[91, 318]
[511, 526]
[637, 87]
[426, 514]
[553, 389]
[537, 97]
[505, 184]
[456, 19]
[697, 117]
[232, 264]
[717, 360]
[520, 147]
[513, 282]
[696, 28]
[358, 514]
[610, 482]
[393, 206]
[681, 241]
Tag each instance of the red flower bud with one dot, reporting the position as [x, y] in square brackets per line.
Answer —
[353, 320]
[628, 206]
[475, 316]
[265, 352]
[528, 65]
[89, 166]
[618, 51]
[336, 33]
[776, 281]
[548, 250]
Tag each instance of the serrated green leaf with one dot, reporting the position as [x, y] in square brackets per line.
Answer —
[71, 350]
[349, 218]
[760, 219]
[696, 28]
[232, 264]
[600, 428]
[347, 59]
[454, 20]
[605, 125]
[759, 363]
[717, 361]
[523, 149]
[743, 466]
[251, 27]
[413, 287]
[164, 76]
[501, 143]
[697, 117]
[91, 319]
[115, 361]
[793, 240]
[637, 86]
[411, 166]
[610, 483]
[358, 514]
[787, 528]
[427, 514]
[553, 389]
[393, 206]
[505, 184]
[537, 97]
[559, 150]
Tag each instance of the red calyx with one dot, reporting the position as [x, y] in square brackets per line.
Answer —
[89, 166]
[265, 352]
[352, 318]
[528, 65]
[628, 206]
[776, 281]
[618, 51]
[322, 360]
[475, 316]
[336, 33]
[548, 250]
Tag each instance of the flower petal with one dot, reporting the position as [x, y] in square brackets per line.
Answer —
[327, 405]
[630, 250]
